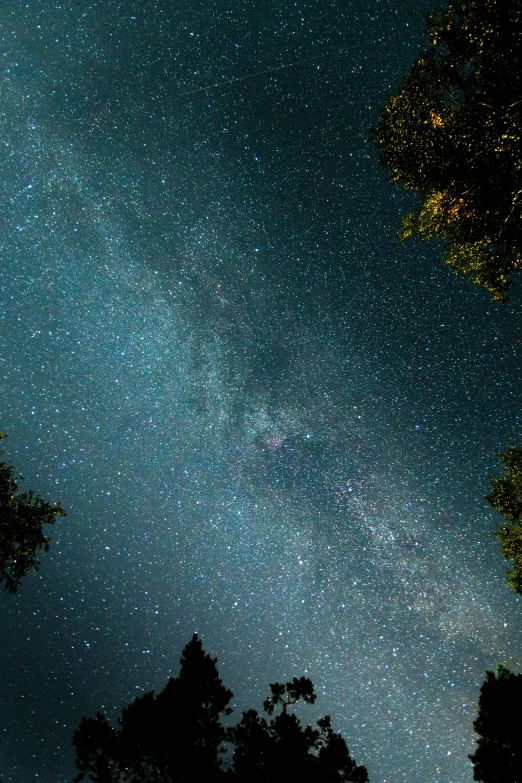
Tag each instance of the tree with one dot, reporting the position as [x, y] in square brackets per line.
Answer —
[282, 749]
[22, 517]
[178, 736]
[498, 757]
[453, 135]
[507, 498]
[174, 736]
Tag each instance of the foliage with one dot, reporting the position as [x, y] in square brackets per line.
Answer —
[282, 749]
[498, 757]
[453, 134]
[22, 517]
[178, 736]
[507, 498]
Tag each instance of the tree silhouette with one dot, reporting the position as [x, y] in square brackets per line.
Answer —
[498, 758]
[282, 749]
[178, 736]
[452, 134]
[22, 517]
[174, 736]
[507, 498]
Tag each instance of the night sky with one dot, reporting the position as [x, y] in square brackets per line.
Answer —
[268, 421]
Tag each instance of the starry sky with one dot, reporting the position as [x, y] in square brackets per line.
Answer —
[268, 421]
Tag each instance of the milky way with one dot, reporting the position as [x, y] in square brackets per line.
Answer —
[268, 422]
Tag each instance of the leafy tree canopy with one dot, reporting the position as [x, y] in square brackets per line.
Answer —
[498, 757]
[178, 736]
[22, 517]
[174, 736]
[282, 749]
[453, 134]
[507, 498]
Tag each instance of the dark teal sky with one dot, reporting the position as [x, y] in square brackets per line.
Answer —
[268, 421]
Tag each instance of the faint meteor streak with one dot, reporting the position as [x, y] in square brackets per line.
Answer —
[234, 80]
